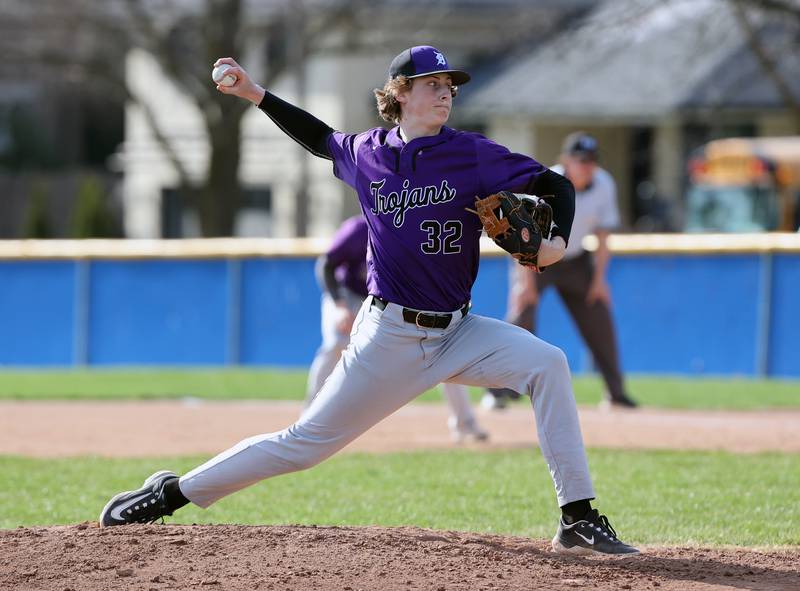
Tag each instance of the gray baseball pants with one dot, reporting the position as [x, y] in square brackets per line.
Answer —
[387, 364]
[334, 343]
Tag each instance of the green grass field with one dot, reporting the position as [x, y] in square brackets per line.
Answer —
[266, 384]
[650, 497]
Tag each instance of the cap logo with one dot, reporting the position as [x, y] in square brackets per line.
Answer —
[440, 61]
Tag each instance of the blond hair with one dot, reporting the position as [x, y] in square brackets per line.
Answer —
[388, 105]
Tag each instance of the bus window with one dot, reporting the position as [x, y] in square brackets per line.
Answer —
[731, 209]
[744, 185]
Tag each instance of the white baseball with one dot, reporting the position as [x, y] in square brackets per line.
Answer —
[218, 75]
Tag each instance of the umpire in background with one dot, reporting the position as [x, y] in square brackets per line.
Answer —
[580, 278]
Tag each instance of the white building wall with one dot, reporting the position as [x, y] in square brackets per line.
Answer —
[777, 124]
[543, 142]
[669, 165]
[515, 133]
[339, 92]
[147, 169]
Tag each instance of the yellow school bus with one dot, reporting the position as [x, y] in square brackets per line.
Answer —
[744, 185]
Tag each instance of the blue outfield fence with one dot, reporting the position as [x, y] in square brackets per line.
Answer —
[682, 304]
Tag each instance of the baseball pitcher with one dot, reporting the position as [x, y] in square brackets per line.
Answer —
[419, 185]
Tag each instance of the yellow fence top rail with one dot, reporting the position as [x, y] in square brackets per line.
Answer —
[154, 249]
[699, 243]
[303, 247]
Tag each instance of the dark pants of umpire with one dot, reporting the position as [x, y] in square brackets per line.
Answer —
[572, 279]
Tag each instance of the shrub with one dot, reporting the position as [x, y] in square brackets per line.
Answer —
[37, 220]
[92, 218]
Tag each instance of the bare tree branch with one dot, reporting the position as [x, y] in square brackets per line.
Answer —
[163, 142]
[768, 63]
[784, 7]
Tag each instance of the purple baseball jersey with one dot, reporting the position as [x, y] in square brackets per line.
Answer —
[423, 247]
[348, 254]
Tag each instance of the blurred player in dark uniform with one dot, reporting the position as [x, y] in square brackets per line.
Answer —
[580, 278]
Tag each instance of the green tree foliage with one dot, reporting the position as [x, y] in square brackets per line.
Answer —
[37, 222]
[91, 217]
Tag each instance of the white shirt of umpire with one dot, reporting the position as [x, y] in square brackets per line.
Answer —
[595, 209]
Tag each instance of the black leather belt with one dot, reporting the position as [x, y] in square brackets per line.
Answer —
[423, 319]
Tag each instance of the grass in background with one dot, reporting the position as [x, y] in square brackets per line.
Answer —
[152, 383]
[279, 384]
[651, 497]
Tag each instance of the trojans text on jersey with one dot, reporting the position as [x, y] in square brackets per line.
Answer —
[398, 203]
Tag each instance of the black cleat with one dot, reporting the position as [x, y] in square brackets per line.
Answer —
[618, 403]
[466, 432]
[498, 398]
[492, 402]
[144, 505]
[591, 535]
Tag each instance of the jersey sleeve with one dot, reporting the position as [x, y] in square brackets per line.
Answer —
[343, 148]
[500, 169]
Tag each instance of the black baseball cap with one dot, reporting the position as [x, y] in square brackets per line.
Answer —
[581, 145]
[424, 60]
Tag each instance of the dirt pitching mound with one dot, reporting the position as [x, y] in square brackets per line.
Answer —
[174, 557]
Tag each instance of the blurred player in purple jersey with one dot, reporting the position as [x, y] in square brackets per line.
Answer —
[342, 275]
[416, 184]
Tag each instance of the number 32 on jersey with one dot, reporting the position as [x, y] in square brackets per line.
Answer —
[442, 237]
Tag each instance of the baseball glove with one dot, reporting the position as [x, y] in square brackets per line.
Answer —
[516, 225]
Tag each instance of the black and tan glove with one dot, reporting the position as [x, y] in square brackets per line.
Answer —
[516, 225]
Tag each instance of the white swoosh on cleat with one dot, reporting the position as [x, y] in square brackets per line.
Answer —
[589, 541]
[116, 512]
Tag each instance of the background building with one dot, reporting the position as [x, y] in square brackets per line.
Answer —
[131, 106]
[652, 81]
[335, 82]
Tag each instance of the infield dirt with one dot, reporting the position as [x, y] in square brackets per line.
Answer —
[190, 427]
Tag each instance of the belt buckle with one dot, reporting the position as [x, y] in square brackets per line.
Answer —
[434, 318]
